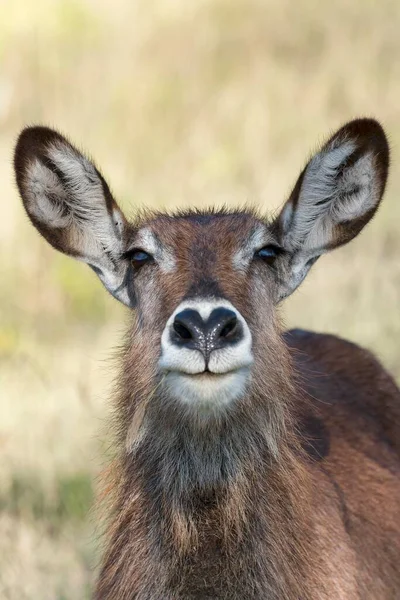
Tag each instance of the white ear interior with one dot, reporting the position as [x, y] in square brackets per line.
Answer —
[318, 189]
[358, 192]
[46, 196]
[335, 196]
[70, 204]
[73, 197]
[331, 193]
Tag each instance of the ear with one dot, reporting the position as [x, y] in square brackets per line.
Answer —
[335, 196]
[70, 204]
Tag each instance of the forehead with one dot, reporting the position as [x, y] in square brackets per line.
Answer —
[214, 231]
[202, 254]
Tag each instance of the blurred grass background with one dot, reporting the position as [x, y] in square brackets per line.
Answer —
[181, 104]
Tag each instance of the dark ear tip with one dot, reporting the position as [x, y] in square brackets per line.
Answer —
[370, 136]
[38, 134]
[367, 127]
[369, 133]
[363, 127]
[32, 141]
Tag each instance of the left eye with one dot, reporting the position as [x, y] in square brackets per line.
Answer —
[138, 257]
[269, 253]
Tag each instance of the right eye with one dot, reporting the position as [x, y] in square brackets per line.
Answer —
[269, 253]
[138, 257]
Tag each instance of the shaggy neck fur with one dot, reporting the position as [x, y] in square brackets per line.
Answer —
[208, 508]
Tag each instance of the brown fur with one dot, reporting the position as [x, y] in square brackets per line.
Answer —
[273, 520]
[291, 492]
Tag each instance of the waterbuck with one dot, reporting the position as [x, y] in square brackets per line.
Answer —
[253, 463]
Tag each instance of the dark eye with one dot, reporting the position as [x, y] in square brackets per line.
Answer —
[269, 253]
[138, 257]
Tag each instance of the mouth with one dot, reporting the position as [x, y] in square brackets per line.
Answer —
[201, 362]
[207, 388]
[206, 374]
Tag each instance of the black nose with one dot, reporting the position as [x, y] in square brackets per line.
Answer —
[222, 328]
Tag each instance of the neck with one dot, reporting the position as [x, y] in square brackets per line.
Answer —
[213, 505]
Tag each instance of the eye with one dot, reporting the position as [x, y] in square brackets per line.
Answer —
[269, 253]
[138, 257]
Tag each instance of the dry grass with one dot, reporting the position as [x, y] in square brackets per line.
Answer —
[181, 103]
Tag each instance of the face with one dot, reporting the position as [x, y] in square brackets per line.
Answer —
[204, 287]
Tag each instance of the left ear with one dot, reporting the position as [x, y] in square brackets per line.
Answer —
[71, 206]
[335, 196]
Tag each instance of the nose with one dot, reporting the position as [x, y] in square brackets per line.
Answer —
[221, 329]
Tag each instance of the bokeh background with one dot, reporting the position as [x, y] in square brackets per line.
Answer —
[182, 104]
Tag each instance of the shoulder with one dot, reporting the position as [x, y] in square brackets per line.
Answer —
[345, 384]
[332, 352]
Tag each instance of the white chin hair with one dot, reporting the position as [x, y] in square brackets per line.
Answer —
[207, 390]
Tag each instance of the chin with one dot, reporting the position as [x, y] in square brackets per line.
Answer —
[207, 392]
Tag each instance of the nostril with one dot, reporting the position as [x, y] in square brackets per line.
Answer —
[229, 329]
[182, 331]
[187, 329]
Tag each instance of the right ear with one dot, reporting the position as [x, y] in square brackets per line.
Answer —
[336, 195]
[70, 204]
